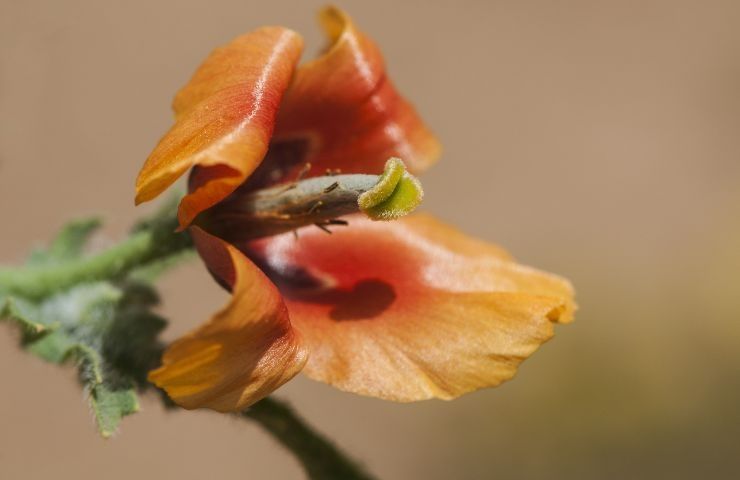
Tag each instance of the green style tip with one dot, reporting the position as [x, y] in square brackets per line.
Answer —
[396, 194]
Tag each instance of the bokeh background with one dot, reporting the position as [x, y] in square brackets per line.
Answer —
[596, 139]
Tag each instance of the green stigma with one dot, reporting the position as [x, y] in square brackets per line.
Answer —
[396, 194]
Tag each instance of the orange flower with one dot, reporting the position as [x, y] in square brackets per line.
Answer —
[404, 310]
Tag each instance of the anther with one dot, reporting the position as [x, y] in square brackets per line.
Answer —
[331, 187]
[315, 207]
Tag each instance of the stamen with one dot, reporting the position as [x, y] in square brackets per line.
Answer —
[331, 187]
[315, 207]
[306, 168]
[323, 227]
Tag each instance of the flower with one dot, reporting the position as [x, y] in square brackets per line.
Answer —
[404, 310]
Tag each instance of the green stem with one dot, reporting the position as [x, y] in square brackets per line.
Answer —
[319, 457]
[154, 241]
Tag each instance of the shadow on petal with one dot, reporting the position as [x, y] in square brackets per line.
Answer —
[366, 300]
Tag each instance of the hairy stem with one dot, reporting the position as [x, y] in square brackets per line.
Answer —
[154, 240]
[319, 457]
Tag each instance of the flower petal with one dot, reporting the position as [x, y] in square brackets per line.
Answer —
[244, 352]
[224, 119]
[348, 111]
[412, 309]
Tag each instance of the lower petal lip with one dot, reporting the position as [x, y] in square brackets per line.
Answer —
[384, 329]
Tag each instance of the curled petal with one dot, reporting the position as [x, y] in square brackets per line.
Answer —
[413, 309]
[244, 352]
[347, 112]
[224, 119]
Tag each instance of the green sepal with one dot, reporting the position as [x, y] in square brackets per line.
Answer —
[107, 330]
[95, 311]
[24, 314]
[110, 406]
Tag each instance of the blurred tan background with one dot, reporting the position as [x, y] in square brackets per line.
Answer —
[594, 139]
